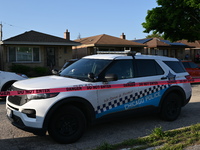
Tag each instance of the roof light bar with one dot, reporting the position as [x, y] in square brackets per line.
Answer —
[127, 52]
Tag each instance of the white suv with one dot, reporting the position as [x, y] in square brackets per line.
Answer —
[65, 115]
[8, 78]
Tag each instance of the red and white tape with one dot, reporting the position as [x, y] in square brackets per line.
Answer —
[97, 87]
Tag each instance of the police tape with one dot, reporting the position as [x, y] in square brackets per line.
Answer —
[96, 87]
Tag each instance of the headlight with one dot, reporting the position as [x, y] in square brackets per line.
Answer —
[41, 96]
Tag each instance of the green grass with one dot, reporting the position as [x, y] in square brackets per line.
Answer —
[165, 140]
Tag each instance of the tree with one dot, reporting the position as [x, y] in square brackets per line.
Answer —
[154, 35]
[175, 19]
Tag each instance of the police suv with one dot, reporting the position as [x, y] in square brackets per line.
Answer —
[65, 115]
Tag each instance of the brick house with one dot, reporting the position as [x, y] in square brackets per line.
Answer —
[36, 49]
[157, 46]
[103, 42]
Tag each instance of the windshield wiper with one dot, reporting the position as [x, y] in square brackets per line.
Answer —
[68, 76]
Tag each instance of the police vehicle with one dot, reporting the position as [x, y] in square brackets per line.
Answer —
[65, 115]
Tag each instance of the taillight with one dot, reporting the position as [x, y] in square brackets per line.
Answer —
[188, 77]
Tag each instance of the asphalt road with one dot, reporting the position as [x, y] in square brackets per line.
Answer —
[111, 132]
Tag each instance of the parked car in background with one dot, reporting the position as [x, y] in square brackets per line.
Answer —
[71, 61]
[8, 78]
[192, 68]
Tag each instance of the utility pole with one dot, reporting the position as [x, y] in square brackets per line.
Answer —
[1, 35]
[1, 49]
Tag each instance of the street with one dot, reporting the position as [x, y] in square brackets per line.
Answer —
[111, 132]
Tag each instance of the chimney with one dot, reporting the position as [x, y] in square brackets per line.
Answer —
[123, 36]
[67, 35]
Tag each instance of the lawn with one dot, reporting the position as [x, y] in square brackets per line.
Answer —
[162, 140]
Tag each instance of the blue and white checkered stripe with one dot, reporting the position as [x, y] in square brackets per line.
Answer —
[115, 103]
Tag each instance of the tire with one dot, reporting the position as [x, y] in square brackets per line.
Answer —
[171, 107]
[67, 125]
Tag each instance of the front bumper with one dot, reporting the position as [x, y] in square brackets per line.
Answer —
[17, 122]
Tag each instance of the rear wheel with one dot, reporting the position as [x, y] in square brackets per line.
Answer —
[171, 107]
[67, 125]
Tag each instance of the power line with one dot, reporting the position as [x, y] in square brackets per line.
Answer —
[11, 25]
[3, 24]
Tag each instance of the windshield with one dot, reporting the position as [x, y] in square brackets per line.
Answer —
[83, 67]
[190, 65]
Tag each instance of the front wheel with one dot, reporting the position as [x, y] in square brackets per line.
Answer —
[171, 107]
[67, 125]
[6, 87]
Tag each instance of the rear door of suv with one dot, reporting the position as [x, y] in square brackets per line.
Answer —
[149, 70]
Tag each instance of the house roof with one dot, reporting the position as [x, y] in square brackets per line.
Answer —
[157, 42]
[195, 44]
[173, 43]
[143, 41]
[38, 38]
[107, 40]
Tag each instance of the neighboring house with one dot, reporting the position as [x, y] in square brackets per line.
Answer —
[193, 49]
[156, 46]
[36, 49]
[91, 45]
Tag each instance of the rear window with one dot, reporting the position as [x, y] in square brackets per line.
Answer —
[176, 66]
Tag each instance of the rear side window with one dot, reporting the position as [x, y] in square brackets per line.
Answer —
[148, 68]
[176, 66]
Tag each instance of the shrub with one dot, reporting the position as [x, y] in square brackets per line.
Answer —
[30, 71]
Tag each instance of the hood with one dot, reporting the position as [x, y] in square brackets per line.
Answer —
[47, 82]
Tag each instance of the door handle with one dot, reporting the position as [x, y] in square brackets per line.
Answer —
[163, 78]
[130, 82]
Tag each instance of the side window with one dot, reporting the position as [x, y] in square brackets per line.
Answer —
[148, 68]
[122, 68]
[176, 66]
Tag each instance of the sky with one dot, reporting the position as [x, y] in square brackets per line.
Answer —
[82, 18]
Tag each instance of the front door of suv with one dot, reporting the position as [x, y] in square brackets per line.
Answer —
[118, 99]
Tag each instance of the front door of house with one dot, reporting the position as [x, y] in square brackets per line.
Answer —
[50, 56]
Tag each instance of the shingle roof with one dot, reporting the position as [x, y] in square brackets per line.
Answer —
[33, 38]
[157, 42]
[107, 40]
[195, 44]
[174, 43]
[143, 40]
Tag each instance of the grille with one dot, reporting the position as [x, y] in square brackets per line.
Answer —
[17, 99]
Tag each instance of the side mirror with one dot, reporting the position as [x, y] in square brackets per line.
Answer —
[111, 77]
[91, 76]
[54, 71]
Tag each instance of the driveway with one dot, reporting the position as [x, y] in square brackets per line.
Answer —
[112, 132]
